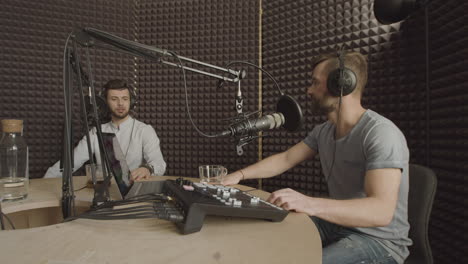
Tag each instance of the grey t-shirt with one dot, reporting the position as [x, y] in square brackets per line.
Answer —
[373, 143]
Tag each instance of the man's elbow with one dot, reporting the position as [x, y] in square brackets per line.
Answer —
[383, 218]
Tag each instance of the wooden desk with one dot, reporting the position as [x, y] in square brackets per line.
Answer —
[221, 240]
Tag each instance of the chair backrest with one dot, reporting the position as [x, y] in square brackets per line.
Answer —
[422, 188]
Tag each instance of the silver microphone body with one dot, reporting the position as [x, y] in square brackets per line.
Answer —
[254, 125]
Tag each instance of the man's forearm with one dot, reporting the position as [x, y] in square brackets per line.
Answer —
[269, 167]
[363, 212]
[279, 163]
[376, 209]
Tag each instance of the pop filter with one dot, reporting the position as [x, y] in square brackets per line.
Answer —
[291, 111]
[102, 110]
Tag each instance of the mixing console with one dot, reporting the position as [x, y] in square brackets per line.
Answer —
[196, 200]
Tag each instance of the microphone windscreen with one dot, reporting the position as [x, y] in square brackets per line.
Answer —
[102, 109]
[291, 111]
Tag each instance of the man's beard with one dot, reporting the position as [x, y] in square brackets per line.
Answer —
[319, 106]
[116, 115]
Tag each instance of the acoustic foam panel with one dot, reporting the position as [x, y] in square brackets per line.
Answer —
[209, 31]
[434, 122]
[294, 33]
[32, 40]
[448, 145]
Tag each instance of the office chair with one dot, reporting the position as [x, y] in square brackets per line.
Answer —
[423, 183]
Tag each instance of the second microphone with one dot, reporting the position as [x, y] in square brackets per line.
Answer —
[254, 125]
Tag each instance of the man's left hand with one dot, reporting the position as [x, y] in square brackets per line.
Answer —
[140, 174]
[292, 200]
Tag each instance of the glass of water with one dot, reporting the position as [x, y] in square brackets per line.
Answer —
[212, 174]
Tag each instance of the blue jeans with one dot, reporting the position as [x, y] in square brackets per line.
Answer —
[343, 245]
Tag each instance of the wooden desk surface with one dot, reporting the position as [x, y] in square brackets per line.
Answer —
[221, 239]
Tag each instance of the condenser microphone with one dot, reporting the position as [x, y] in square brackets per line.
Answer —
[288, 115]
[254, 125]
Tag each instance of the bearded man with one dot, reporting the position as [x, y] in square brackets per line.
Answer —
[138, 141]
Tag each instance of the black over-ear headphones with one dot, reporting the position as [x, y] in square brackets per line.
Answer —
[131, 91]
[341, 81]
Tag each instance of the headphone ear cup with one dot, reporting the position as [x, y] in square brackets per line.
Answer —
[101, 94]
[332, 82]
[348, 81]
[341, 79]
[133, 98]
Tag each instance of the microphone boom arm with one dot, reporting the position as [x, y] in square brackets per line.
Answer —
[86, 37]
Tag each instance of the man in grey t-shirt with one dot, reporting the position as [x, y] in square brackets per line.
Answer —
[364, 158]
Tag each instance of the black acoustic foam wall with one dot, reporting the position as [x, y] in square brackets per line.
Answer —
[214, 32]
[32, 39]
[448, 144]
[296, 32]
[433, 120]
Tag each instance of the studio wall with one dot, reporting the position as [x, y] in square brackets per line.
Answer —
[209, 31]
[284, 36]
[448, 128]
[32, 41]
[428, 108]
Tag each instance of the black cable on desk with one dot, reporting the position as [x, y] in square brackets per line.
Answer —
[156, 206]
[2, 226]
[80, 188]
[9, 221]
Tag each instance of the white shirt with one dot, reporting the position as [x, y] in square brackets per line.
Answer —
[138, 141]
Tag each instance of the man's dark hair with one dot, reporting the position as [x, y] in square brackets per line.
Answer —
[116, 84]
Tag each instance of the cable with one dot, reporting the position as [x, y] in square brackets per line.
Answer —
[9, 220]
[334, 138]
[2, 226]
[79, 189]
[187, 105]
[341, 59]
[157, 207]
[258, 67]
[68, 202]
[130, 141]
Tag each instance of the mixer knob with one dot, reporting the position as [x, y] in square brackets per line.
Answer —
[179, 181]
[187, 182]
[254, 200]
